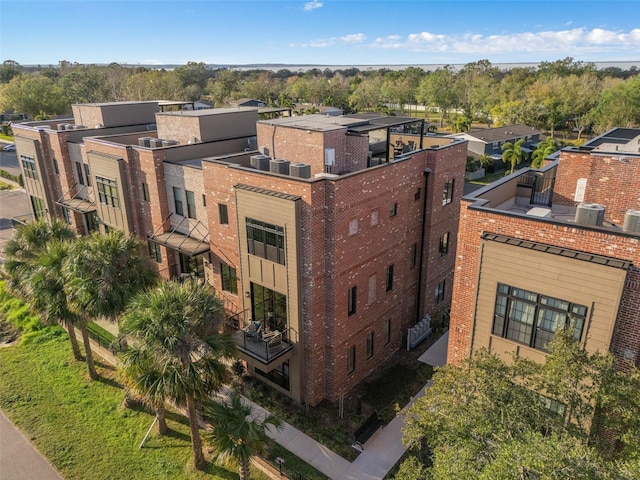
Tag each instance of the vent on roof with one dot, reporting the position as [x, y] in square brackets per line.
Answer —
[260, 162]
[590, 214]
[300, 170]
[144, 141]
[279, 165]
[632, 221]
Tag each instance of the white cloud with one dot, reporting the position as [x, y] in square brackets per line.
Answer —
[352, 38]
[574, 41]
[315, 4]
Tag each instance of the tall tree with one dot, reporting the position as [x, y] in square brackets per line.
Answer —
[512, 153]
[486, 419]
[176, 324]
[102, 273]
[46, 292]
[238, 432]
[32, 93]
[439, 89]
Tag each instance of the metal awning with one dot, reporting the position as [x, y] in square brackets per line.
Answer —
[183, 243]
[78, 204]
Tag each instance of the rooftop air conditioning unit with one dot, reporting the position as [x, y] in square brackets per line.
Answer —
[62, 126]
[260, 162]
[144, 141]
[155, 142]
[632, 221]
[590, 214]
[279, 165]
[169, 143]
[79, 127]
[300, 170]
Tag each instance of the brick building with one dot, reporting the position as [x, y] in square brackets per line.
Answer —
[327, 237]
[559, 245]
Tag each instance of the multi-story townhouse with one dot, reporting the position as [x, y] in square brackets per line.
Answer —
[551, 247]
[327, 237]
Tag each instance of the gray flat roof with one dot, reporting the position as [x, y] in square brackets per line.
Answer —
[358, 122]
[208, 112]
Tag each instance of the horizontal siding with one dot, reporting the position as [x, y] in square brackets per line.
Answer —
[597, 287]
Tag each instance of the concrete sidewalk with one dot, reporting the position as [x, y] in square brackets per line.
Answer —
[19, 459]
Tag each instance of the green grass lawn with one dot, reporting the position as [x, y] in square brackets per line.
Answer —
[81, 427]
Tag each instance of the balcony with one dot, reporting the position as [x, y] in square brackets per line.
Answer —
[263, 349]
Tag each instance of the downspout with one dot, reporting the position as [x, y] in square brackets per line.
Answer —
[422, 235]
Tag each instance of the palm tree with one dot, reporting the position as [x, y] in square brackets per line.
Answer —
[512, 153]
[102, 273]
[486, 161]
[28, 242]
[45, 289]
[544, 149]
[237, 432]
[181, 355]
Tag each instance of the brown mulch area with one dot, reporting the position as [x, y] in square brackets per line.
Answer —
[8, 334]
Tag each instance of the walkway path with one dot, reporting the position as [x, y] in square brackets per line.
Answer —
[19, 459]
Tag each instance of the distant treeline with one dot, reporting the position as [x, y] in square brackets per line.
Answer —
[560, 94]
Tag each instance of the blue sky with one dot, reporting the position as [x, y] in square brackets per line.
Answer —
[319, 32]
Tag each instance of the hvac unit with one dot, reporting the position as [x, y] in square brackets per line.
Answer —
[279, 165]
[155, 142]
[169, 143]
[329, 157]
[144, 141]
[62, 126]
[260, 162]
[300, 170]
[79, 127]
[632, 221]
[590, 214]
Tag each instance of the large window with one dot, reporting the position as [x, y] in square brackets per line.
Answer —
[389, 278]
[29, 167]
[279, 375]
[532, 319]
[191, 204]
[265, 240]
[269, 307]
[80, 173]
[352, 300]
[39, 211]
[223, 213]
[229, 279]
[447, 194]
[444, 244]
[108, 191]
[177, 200]
[154, 251]
[439, 293]
[351, 359]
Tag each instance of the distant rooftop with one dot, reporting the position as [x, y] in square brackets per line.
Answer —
[361, 123]
[618, 140]
[208, 112]
[497, 134]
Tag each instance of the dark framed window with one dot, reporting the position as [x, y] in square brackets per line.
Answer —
[414, 255]
[387, 332]
[389, 278]
[191, 204]
[352, 300]
[229, 279]
[154, 251]
[417, 194]
[447, 194]
[39, 211]
[29, 167]
[532, 319]
[66, 214]
[269, 307]
[107, 191]
[223, 213]
[145, 192]
[266, 240]
[369, 350]
[56, 168]
[439, 293]
[204, 200]
[279, 375]
[351, 359]
[80, 173]
[177, 200]
[87, 174]
[393, 210]
[444, 244]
